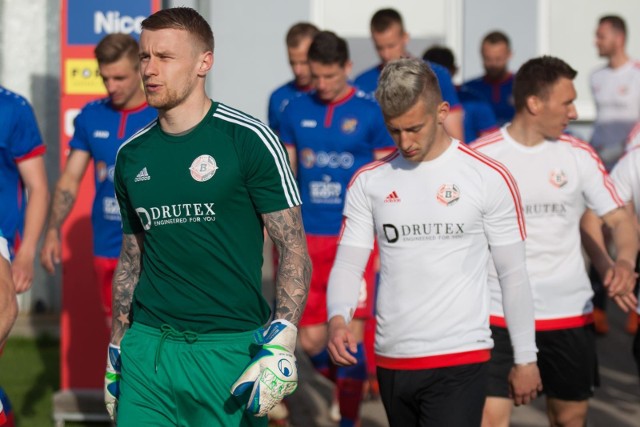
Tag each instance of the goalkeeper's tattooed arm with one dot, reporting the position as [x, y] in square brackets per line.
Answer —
[294, 266]
[125, 279]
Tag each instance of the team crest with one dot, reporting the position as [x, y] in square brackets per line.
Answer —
[448, 194]
[557, 178]
[307, 158]
[349, 125]
[203, 168]
[101, 171]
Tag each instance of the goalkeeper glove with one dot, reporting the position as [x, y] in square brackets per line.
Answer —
[272, 373]
[112, 380]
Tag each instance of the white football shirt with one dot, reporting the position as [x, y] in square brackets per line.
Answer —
[434, 222]
[557, 180]
[626, 176]
[616, 92]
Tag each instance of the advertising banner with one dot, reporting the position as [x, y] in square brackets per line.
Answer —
[84, 332]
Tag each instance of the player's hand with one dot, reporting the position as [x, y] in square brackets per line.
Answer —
[524, 383]
[22, 271]
[51, 250]
[112, 381]
[273, 372]
[627, 302]
[620, 278]
[342, 345]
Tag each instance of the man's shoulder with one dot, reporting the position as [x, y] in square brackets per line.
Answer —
[139, 138]
[12, 101]
[284, 91]
[368, 79]
[377, 168]
[475, 82]
[234, 123]
[488, 141]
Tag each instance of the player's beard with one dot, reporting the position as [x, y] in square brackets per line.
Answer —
[169, 98]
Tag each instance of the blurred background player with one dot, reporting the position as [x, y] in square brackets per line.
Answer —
[298, 39]
[24, 192]
[329, 134]
[440, 211]
[496, 86]
[616, 92]
[390, 41]
[100, 128]
[558, 176]
[478, 116]
[8, 313]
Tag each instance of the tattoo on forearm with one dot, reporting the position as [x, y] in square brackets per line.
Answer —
[125, 279]
[294, 268]
[60, 207]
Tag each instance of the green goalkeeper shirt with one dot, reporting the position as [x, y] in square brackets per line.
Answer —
[198, 199]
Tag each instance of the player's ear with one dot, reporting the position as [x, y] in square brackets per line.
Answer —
[206, 63]
[533, 104]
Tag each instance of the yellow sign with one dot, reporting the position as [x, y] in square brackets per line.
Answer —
[82, 77]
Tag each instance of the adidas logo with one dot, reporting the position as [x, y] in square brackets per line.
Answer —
[143, 175]
[392, 198]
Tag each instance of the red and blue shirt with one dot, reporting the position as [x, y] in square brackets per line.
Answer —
[100, 129]
[332, 141]
[499, 94]
[279, 100]
[20, 140]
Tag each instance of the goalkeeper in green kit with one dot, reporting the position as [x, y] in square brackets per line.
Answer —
[196, 188]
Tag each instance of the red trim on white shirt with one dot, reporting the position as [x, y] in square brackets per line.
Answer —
[509, 180]
[488, 139]
[550, 324]
[633, 134]
[605, 176]
[38, 151]
[431, 362]
[373, 165]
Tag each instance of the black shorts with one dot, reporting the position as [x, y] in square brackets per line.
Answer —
[566, 358]
[451, 396]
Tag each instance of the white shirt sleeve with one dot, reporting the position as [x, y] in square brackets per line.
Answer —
[345, 280]
[598, 188]
[624, 175]
[358, 228]
[503, 217]
[517, 299]
[4, 248]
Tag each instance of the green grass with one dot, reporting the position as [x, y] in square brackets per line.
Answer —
[30, 373]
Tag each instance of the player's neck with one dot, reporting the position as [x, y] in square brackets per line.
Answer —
[136, 101]
[442, 142]
[185, 116]
[618, 59]
[524, 132]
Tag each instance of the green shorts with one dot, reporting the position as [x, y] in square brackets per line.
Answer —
[183, 379]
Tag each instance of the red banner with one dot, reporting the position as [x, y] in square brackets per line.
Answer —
[84, 334]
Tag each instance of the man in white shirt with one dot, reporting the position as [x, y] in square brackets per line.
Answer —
[558, 176]
[616, 91]
[435, 207]
[626, 175]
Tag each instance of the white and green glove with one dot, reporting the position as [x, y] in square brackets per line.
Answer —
[112, 381]
[273, 372]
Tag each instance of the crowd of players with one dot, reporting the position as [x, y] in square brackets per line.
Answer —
[434, 187]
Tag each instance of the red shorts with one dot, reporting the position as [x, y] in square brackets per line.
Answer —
[322, 250]
[105, 267]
